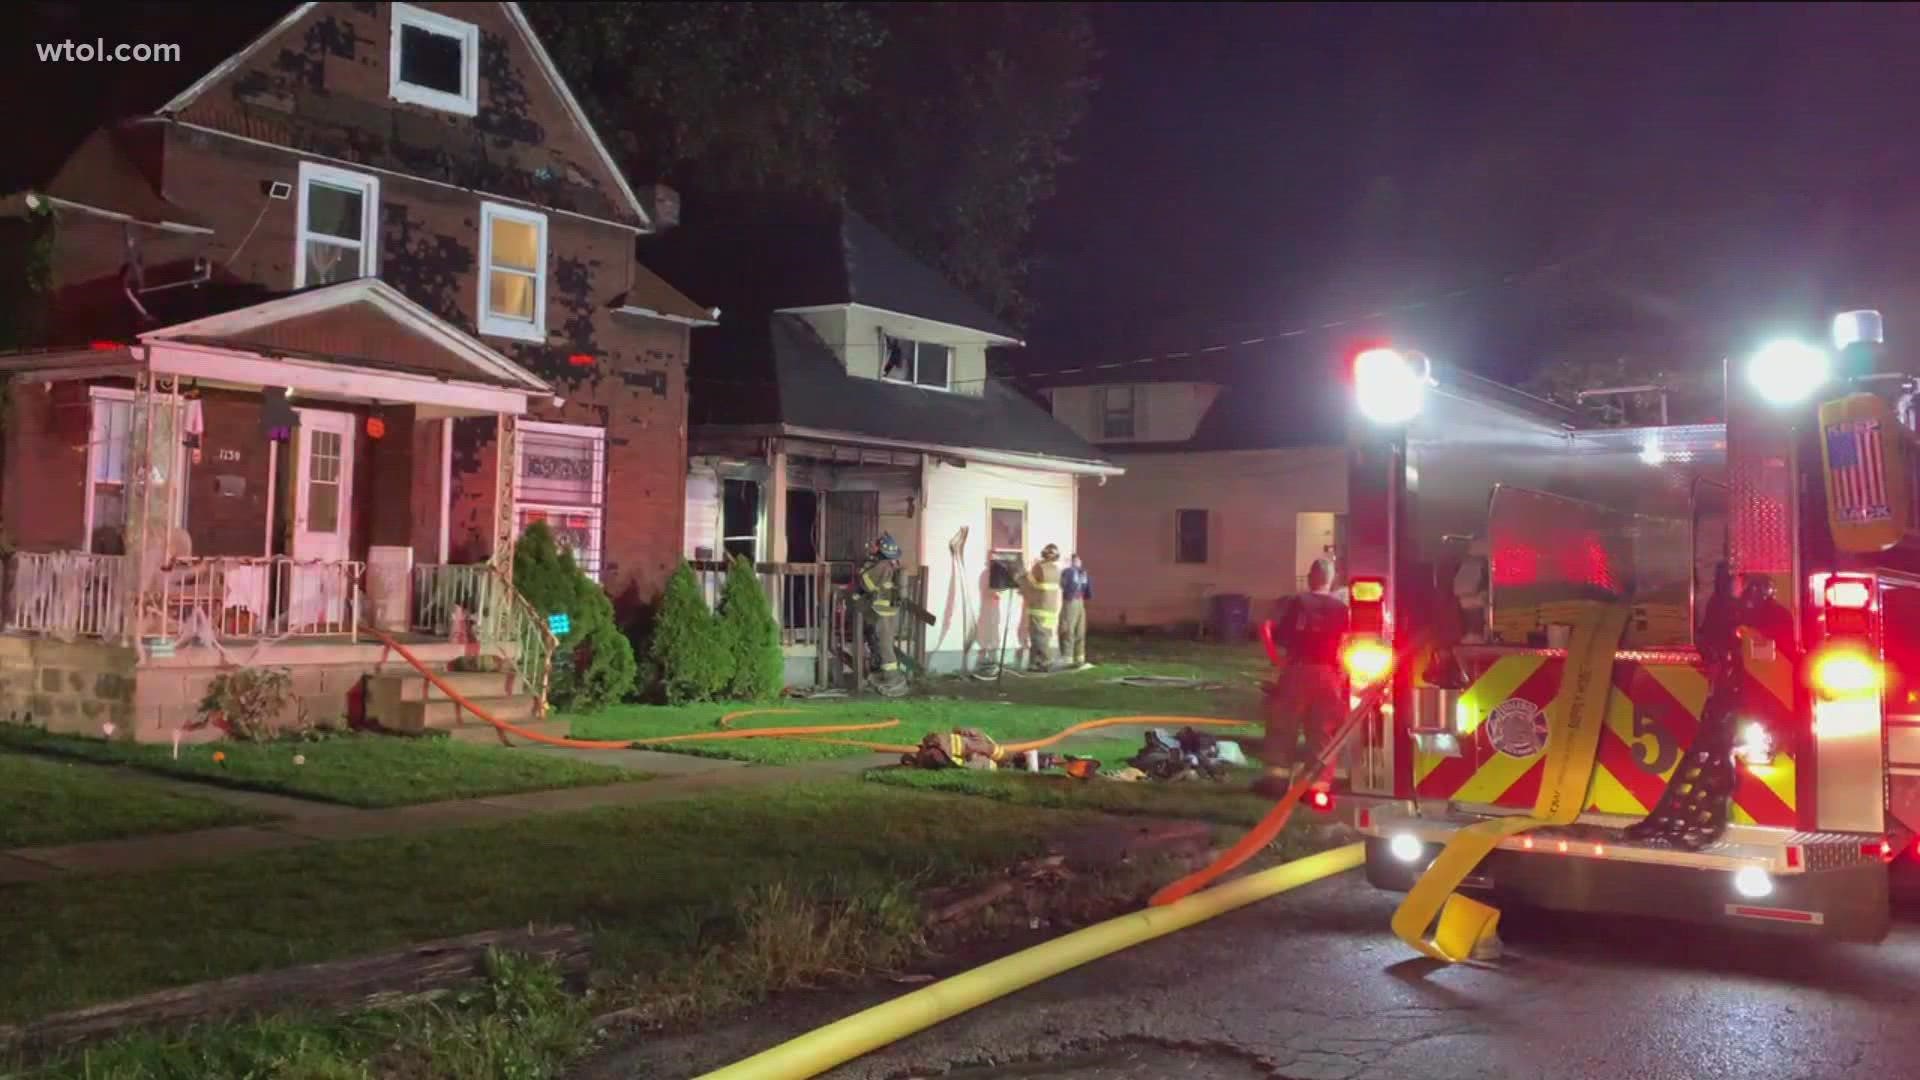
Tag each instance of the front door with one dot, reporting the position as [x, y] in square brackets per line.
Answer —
[318, 585]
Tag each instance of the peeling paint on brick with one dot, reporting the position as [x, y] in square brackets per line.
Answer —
[507, 111]
[428, 266]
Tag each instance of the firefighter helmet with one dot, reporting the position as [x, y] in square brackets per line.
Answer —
[887, 547]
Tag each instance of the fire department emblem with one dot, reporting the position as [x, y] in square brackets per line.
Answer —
[1517, 728]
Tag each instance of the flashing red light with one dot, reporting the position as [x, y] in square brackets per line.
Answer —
[1883, 849]
[1367, 660]
[1844, 673]
[1526, 842]
[1599, 849]
[1849, 593]
[1563, 847]
[104, 346]
[1366, 819]
[1320, 799]
[581, 359]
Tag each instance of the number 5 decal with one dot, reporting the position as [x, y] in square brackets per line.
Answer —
[1661, 752]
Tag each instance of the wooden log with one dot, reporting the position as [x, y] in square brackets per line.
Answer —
[335, 985]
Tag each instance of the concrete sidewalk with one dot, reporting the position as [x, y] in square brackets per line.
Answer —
[302, 821]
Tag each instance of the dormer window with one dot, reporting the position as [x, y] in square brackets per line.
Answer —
[435, 61]
[918, 362]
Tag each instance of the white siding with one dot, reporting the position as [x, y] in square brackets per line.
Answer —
[1252, 499]
[854, 334]
[959, 498]
[703, 513]
[1167, 412]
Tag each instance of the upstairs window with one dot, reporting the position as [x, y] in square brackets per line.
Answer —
[513, 278]
[339, 212]
[1119, 414]
[918, 362]
[435, 61]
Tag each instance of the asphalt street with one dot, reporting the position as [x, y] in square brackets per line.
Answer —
[1312, 986]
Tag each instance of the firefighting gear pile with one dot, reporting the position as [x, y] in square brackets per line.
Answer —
[1189, 755]
[961, 748]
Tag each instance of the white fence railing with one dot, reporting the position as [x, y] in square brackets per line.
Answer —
[253, 598]
[797, 593]
[67, 594]
[494, 613]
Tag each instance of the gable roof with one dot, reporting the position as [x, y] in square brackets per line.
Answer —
[776, 372]
[364, 321]
[762, 254]
[517, 18]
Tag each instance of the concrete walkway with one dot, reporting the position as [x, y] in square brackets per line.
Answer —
[302, 822]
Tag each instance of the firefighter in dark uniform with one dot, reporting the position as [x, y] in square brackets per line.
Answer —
[879, 591]
[1042, 588]
[1311, 691]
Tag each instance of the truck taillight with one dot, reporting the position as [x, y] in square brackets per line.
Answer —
[1367, 660]
[1848, 605]
[1846, 674]
[1366, 605]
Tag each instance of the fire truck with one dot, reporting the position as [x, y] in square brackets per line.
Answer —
[1759, 763]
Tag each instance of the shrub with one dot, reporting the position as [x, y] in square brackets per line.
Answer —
[248, 701]
[752, 637]
[593, 666]
[688, 650]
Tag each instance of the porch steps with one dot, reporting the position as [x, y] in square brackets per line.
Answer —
[405, 701]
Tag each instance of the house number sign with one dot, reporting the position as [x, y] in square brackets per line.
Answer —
[229, 455]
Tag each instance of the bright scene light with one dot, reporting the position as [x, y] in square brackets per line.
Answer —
[1843, 673]
[1755, 745]
[1406, 847]
[1388, 387]
[1788, 372]
[1753, 883]
[1852, 327]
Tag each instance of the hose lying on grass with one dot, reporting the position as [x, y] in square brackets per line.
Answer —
[815, 733]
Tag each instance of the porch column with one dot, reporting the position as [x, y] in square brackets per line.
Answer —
[506, 474]
[777, 504]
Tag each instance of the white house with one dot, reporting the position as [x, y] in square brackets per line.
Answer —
[1228, 491]
[845, 394]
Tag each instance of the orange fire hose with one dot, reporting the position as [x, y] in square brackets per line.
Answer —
[809, 733]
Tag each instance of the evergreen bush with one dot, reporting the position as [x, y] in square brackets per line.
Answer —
[687, 651]
[593, 667]
[752, 636]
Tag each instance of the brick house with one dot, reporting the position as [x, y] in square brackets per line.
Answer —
[344, 315]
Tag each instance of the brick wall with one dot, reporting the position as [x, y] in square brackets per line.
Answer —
[44, 505]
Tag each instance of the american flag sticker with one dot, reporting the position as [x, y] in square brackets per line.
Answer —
[1857, 471]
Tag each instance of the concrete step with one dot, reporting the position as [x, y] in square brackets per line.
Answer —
[417, 716]
[407, 684]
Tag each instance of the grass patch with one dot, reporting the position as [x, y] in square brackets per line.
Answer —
[1011, 710]
[44, 801]
[520, 1023]
[1227, 802]
[352, 769]
[710, 902]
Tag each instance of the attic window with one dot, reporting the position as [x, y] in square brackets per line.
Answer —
[918, 362]
[435, 61]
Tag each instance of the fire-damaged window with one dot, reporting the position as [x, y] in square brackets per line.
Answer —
[921, 363]
[434, 61]
[562, 482]
[338, 225]
[109, 457]
[1007, 534]
[513, 281]
[1190, 536]
[740, 519]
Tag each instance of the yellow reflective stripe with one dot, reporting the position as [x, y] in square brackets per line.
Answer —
[1050, 586]
[1043, 615]
[1458, 924]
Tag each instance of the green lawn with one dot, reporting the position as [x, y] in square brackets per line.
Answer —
[352, 769]
[1228, 802]
[1014, 709]
[714, 899]
[46, 801]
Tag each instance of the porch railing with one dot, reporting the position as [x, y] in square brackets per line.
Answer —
[67, 594]
[496, 614]
[253, 597]
[797, 592]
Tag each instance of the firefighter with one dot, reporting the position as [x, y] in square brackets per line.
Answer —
[879, 592]
[1076, 588]
[1311, 691]
[1042, 588]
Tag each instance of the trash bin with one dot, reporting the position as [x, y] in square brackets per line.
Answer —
[1231, 614]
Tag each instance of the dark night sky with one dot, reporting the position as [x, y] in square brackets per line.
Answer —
[1693, 176]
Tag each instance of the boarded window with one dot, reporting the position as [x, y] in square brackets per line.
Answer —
[1190, 536]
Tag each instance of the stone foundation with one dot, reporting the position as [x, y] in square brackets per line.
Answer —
[73, 688]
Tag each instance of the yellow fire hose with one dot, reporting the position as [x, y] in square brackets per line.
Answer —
[863, 1032]
[1459, 924]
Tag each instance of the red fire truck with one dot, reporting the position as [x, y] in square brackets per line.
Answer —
[1760, 760]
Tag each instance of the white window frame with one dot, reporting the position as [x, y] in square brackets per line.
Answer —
[498, 325]
[1105, 410]
[465, 103]
[96, 395]
[596, 513]
[369, 189]
[1026, 523]
[913, 371]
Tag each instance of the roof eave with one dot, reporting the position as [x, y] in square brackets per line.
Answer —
[983, 455]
